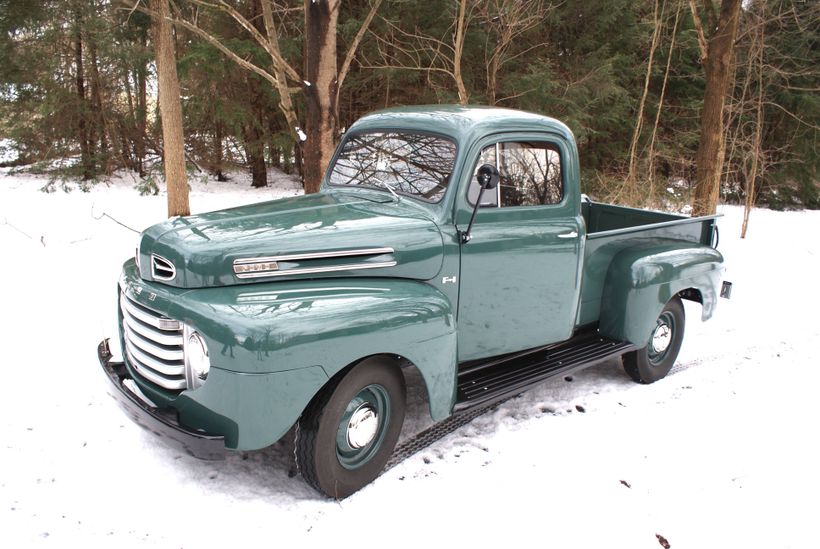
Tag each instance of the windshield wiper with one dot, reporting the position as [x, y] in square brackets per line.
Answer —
[386, 186]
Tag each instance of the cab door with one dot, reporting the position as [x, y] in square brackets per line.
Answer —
[520, 271]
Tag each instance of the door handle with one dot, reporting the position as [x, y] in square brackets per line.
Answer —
[571, 234]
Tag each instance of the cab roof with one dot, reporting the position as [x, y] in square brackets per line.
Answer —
[464, 123]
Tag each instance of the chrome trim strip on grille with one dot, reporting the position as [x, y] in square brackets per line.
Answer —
[154, 364]
[148, 346]
[139, 314]
[156, 378]
[153, 348]
[316, 270]
[160, 271]
[318, 255]
[153, 335]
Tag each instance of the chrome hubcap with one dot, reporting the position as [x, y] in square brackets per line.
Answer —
[661, 338]
[362, 427]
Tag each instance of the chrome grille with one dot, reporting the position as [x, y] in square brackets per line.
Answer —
[161, 268]
[153, 344]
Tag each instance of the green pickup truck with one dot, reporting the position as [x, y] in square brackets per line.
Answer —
[453, 241]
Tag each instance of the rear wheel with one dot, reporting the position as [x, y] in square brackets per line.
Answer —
[348, 432]
[654, 361]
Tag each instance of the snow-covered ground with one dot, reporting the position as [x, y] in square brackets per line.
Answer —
[722, 453]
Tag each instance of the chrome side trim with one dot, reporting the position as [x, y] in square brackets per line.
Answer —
[316, 270]
[318, 255]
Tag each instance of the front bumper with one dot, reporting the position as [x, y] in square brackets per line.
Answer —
[162, 422]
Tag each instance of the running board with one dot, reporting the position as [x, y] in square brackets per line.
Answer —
[484, 381]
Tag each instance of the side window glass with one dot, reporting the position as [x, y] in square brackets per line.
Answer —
[530, 175]
[490, 198]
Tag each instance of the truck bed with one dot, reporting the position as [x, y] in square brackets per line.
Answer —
[612, 229]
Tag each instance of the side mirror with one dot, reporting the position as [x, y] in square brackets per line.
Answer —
[487, 177]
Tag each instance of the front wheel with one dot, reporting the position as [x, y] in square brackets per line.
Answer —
[654, 361]
[348, 432]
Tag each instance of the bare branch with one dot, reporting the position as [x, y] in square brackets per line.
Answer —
[225, 50]
[351, 51]
[279, 63]
[791, 114]
[702, 43]
[421, 52]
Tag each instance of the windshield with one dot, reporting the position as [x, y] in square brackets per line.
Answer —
[412, 164]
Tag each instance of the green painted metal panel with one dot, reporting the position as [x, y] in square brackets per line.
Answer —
[520, 274]
[641, 279]
[261, 334]
[204, 247]
[636, 229]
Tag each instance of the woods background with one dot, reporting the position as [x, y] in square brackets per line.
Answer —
[274, 84]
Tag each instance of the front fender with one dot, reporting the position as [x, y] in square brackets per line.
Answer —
[273, 346]
[642, 279]
[284, 326]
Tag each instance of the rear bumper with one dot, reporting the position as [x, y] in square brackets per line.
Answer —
[162, 422]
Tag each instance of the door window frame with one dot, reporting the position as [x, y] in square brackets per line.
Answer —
[553, 145]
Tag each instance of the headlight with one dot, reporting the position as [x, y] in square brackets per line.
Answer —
[197, 363]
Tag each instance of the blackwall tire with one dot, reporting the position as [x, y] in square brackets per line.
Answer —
[348, 432]
[654, 361]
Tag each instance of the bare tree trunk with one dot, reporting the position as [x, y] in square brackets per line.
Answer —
[218, 156]
[651, 153]
[717, 61]
[99, 113]
[275, 149]
[171, 109]
[492, 80]
[255, 151]
[254, 135]
[275, 156]
[142, 108]
[280, 73]
[82, 122]
[126, 127]
[320, 89]
[756, 152]
[458, 51]
[636, 134]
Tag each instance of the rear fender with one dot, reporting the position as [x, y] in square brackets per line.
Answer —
[642, 279]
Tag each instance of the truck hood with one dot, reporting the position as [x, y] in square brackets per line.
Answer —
[330, 234]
